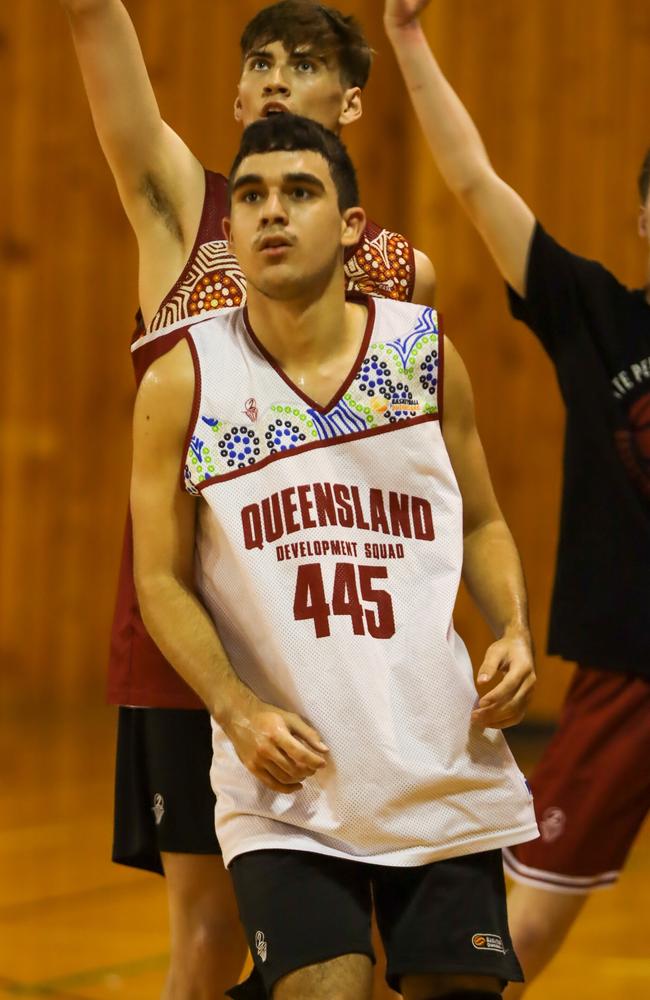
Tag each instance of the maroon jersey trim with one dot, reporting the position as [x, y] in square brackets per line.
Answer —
[440, 394]
[196, 406]
[363, 350]
[327, 443]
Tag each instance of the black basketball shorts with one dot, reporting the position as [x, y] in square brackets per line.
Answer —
[163, 797]
[301, 908]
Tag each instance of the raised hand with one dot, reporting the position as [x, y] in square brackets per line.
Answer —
[505, 682]
[278, 747]
[402, 13]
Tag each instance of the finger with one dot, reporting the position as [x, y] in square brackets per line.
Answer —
[297, 751]
[491, 665]
[502, 692]
[276, 786]
[306, 733]
[519, 675]
[291, 770]
[499, 722]
[513, 706]
[276, 772]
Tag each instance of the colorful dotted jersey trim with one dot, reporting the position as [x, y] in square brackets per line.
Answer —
[396, 381]
[381, 265]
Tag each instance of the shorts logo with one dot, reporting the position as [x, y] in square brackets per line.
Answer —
[261, 945]
[488, 942]
[158, 808]
[552, 824]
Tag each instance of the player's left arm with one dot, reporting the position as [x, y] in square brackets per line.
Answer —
[424, 288]
[491, 565]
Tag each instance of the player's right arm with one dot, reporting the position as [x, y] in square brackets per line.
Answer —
[160, 182]
[278, 747]
[501, 216]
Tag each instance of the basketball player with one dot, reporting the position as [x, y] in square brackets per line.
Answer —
[350, 750]
[295, 55]
[593, 785]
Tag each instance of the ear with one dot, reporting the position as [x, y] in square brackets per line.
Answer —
[227, 232]
[238, 109]
[644, 223]
[351, 108]
[353, 223]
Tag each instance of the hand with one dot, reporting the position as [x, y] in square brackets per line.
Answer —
[505, 682]
[403, 13]
[278, 747]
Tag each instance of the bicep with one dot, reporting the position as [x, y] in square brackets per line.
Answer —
[464, 446]
[164, 515]
[505, 223]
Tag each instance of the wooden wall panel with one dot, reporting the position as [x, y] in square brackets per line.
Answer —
[558, 91]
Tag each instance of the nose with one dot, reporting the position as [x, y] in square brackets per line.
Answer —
[273, 210]
[276, 82]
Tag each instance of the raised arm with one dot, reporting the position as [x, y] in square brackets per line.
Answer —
[160, 182]
[502, 218]
[491, 565]
[278, 747]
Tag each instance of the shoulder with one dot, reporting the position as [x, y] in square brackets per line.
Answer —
[548, 256]
[424, 287]
[167, 388]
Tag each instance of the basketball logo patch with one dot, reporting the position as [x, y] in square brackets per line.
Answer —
[488, 942]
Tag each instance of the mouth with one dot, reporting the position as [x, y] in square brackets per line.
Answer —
[274, 242]
[274, 108]
[274, 246]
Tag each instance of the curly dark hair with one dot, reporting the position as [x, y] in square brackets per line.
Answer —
[324, 30]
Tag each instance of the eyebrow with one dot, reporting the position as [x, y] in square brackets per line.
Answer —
[247, 180]
[306, 52]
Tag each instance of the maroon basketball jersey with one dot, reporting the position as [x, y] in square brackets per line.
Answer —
[381, 264]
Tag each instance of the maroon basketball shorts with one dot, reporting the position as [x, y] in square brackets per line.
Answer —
[591, 787]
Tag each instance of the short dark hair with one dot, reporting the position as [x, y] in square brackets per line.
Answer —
[292, 133]
[644, 178]
[326, 31]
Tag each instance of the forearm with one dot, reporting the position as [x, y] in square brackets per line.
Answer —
[454, 139]
[122, 102]
[494, 576]
[184, 632]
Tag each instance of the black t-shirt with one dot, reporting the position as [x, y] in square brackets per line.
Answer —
[597, 333]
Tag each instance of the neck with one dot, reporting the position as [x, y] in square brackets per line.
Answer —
[308, 328]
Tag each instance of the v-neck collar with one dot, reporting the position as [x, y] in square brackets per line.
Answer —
[369, 303]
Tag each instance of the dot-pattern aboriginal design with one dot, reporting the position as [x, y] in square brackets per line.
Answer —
[381, 265]
[239, 447]
[214, 291]
[396, 381]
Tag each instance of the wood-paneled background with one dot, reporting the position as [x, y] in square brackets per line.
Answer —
[559, 89]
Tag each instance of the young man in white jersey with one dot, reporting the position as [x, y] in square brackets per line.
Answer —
[593, 776]
[297, 56]
[308, 599]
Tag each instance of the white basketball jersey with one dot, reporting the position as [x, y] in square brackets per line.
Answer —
[329, 554]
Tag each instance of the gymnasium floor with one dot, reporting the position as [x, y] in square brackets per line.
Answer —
[75, 927]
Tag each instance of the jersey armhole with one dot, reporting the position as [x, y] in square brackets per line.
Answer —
[211, 193]
[441, 367]
[412, 268]
[194, 416]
